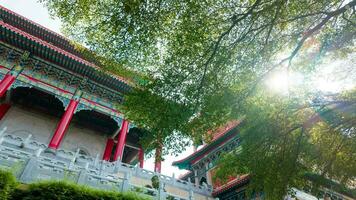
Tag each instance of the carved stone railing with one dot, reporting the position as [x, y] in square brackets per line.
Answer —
[30, 162]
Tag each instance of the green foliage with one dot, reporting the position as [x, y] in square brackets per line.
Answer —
[155, 182]
[17, 168]
[318, 180]
[207, 56]
[208, 62]
[131, 77]
[7, 184]
[286, 140]
[160, 117]
[67, 191]
[10, 190]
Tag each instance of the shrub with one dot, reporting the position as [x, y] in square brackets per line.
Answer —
[7, 184]
[69, 191]
[55, 190]
[155, 182]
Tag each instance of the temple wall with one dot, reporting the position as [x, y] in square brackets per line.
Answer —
[22, 122]
[90, 141]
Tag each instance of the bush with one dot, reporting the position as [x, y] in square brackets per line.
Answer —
[55, 190]
[68, 191]
[7, 184]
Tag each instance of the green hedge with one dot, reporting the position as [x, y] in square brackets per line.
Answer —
[55, 190]
[7, 184]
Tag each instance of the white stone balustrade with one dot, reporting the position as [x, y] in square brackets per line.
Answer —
[30, 162]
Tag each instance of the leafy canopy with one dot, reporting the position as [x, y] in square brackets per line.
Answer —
[208, 62]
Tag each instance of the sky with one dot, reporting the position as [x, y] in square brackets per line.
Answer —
[36, 12]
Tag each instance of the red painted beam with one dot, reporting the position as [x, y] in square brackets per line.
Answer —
[63, 125]
[108, 149]
[141, 157]
[5, 83]
[3, 109]
[121, 141]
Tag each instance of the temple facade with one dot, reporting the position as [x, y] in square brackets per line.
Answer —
[202, 165]
[59, 119]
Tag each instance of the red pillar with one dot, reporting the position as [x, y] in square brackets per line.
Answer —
[158, 159]
[5, 83]
[63, 125]
[108, 149]
[3, 109]
[141, 157]
[121, 141]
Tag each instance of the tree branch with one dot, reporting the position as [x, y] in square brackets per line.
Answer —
[217, 43]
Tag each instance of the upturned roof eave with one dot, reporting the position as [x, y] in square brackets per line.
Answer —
[54, 48]
[186, 163]
[58, 51]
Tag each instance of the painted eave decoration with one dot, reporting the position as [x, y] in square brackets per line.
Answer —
[219, 139]
[25, 34]
[234, 183]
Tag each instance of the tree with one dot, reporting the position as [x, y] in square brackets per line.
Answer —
[308, 139]
[207, 62]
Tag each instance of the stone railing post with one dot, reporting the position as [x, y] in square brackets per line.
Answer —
[173, 181]
[29, 171]
[102, 166]
[74, 158]
[2, 134]
[162, 195]
[26, 141]
[191, 194]
[117, 166]
[137, 170]
[126, 182]
[38, 152]
[96, 161]
[82, 177]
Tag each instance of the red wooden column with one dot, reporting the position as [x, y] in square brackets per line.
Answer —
[141, 157]
[5, 83]
[108, 149]
[158, 159]
[10, 77]
[63, 124]
[3, 109]
[121, 140]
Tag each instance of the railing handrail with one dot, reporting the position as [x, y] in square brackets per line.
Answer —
[95, 167]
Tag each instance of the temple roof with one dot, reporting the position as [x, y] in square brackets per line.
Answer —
[27, 35]
[234, 183]
[221, 136]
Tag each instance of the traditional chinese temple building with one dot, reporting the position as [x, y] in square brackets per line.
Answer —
[202, 164]
[50, 92]
[59, 119]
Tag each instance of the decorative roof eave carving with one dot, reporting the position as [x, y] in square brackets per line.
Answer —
[63, 79]
[200, 154]
[209, 160]
[33, 79]
[235, 183]
[43, 49]
[23, 81]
